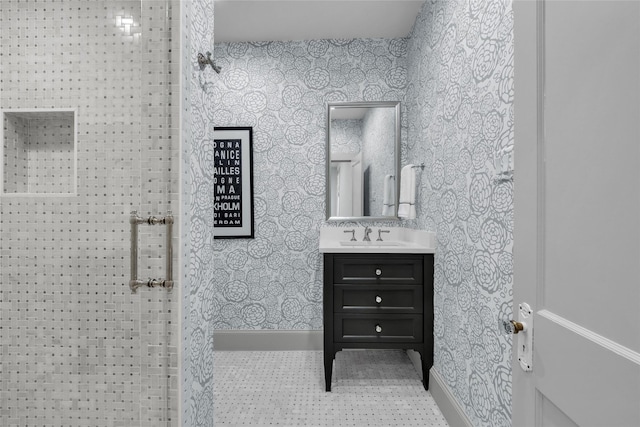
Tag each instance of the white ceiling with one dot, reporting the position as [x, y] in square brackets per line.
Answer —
[269, 20]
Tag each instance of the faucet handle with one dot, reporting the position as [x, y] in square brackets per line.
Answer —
[380, 231]
[353, 234]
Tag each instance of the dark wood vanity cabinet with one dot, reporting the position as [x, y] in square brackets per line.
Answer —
[378, 301]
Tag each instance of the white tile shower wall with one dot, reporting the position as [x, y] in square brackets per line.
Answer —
[280, 89]
[160, 145]
[201, 272]
[51, 162]
[185, 208]
[78, 349]
[460, 104]
[15, 156]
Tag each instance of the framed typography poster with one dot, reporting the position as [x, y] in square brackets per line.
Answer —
[233, 182]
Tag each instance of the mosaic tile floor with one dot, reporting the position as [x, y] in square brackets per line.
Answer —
[286, 388]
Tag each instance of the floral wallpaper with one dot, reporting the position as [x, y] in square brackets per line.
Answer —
[460, 117]
[346, 136]
[281, 89]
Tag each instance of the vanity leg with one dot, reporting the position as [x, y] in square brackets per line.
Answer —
[328, 368]
[425, 370]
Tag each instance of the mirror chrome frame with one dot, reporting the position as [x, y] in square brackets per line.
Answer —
[397, 148]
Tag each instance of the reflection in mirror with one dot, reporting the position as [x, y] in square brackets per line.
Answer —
[363, 152]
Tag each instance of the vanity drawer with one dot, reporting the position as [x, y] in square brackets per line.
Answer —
[372, 328]
[386, 268]
[405, 299]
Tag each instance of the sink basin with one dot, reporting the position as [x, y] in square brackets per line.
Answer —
[399, 240]
[370, 244]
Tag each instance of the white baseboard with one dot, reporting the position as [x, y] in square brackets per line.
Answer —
[446, 401]
[448, 404]
[267, 340]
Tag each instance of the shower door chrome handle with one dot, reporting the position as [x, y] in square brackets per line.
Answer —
[134, 282]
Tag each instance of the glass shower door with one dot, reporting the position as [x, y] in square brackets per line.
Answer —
[90, 133]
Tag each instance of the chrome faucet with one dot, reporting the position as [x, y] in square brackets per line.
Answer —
[353, 234]
[367, 231]
[380, 231]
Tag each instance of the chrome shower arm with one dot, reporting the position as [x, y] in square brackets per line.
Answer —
[203, 62]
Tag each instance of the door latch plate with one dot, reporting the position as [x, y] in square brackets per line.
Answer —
[525, 338]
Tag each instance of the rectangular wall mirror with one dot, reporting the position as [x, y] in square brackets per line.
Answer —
[363, 160]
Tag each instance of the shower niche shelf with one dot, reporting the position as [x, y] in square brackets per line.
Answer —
[39, 152]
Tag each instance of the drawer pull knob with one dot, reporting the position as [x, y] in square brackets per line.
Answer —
[378, 272]
[378, 299]
[378, 328]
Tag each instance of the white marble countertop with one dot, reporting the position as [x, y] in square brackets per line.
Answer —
[398, 240]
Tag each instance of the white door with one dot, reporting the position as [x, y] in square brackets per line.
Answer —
[577, 211]
[357, 183]
[345, 189]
